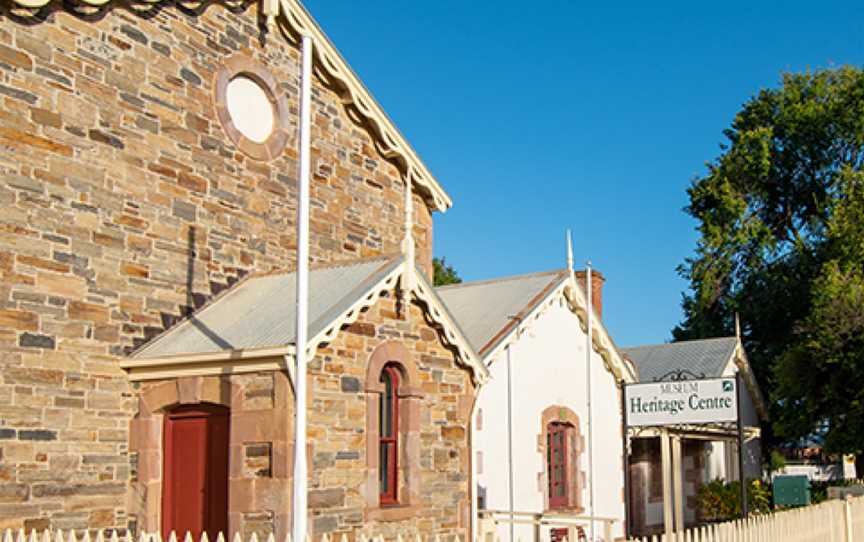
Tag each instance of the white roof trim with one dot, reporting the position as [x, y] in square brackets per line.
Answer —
[435, 309]
[739, 358]
[614, 362]
[236, 361]
[369, 298]
[452, 332]
[332, 68]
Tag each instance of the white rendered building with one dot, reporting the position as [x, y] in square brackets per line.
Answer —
[536, 448]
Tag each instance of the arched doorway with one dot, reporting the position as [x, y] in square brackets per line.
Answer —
[195, 475]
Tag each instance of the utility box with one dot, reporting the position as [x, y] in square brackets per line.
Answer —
[791, 490]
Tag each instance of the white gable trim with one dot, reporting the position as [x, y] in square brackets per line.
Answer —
[435, 309]
[244, 361]
[333, 69]
[613, 361]
[738, 362]
[604, 345]
[452, 332]
[364, 301]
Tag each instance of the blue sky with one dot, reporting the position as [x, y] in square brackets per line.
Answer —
[594, 116]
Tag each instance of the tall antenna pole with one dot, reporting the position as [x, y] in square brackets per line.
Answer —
[589, 349]
[299, 512]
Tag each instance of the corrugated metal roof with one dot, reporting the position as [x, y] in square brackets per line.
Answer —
[706, 357]
[484, 309]
[259, 312]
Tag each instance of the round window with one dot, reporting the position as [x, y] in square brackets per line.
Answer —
[250, 109]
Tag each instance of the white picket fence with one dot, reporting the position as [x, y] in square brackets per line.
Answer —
[10, 535]
[831, 521]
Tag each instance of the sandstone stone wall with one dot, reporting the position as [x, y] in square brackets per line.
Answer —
[434, 475]
[124, 206]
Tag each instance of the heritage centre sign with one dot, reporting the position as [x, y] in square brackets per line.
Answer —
[681, 402]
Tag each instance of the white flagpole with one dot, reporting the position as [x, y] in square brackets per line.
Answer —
[299, 512]
[590, 347]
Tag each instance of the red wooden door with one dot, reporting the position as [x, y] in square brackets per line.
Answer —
[195, 478]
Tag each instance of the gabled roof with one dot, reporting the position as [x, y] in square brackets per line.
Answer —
[702, 358]
[487, 309]
[705, 358]
[260, 311]
[494, 312]
[256, 319]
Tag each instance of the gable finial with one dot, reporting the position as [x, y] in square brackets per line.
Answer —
[408, 277]
[569, 251]
[737, 326]
[270, 10]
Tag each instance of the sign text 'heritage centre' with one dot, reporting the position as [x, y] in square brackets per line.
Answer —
[686, 401]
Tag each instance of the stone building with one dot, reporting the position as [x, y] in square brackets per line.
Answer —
[148, 164]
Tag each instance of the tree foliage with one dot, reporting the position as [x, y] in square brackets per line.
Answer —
[444, 274]
[782, 243]
[819, 377]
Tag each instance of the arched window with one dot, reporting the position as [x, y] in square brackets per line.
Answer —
[562, 447]
[388, 435]
[393, 401]
[559, 437]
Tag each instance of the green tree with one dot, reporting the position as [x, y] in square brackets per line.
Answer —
[820, 377]
[444, 274]
[777, 243]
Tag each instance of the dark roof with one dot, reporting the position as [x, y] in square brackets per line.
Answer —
[704, 358]
[484, 309]
[259, 312]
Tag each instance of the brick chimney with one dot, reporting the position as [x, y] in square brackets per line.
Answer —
[597, 281]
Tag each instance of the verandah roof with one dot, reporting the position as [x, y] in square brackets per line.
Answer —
[259, 312]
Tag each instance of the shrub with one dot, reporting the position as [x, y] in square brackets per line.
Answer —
[721, 501]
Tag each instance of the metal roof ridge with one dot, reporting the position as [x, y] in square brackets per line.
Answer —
[511, 278]
[322, 265]
[676, 343]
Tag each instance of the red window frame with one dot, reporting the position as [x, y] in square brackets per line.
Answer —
[558, 448]
[388, 436]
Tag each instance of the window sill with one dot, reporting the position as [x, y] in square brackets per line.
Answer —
[395, 512]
